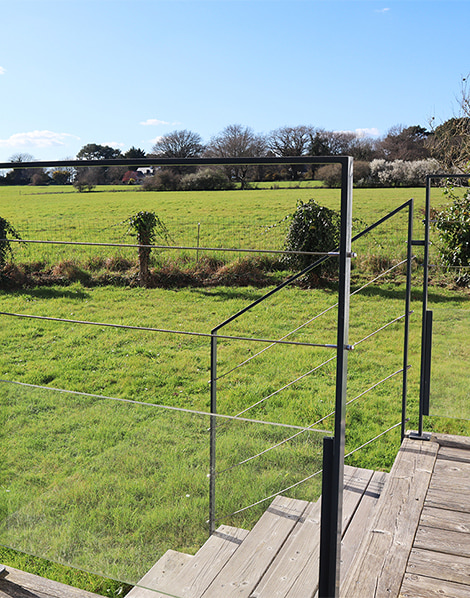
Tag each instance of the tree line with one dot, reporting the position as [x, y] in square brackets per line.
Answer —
[376, 159]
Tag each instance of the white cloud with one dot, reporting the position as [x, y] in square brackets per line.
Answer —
[154, 122]
[157, 139]
[114, 144]
[368, 132]
[37, 139]
[360, 133]
[382, 10]
[2, 70]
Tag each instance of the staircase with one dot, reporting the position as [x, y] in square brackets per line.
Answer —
[278, 558]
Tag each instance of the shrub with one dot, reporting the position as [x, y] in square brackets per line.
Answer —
[163, 180]
[453, 225]
[313, 228]
[331, 174]
[208, 179]
[6, 229]
[401, 173]
[147, 227]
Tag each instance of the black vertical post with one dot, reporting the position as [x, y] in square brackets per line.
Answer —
[213, 426]
[425, 304]
[407, 316]
[334, 521]
[326, 580]
[427, 363]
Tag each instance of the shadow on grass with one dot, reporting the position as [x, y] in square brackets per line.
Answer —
[416, 294]
[50, 293]
[227, 293]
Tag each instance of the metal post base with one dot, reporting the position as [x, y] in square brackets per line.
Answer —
[417, 436]
[3, 571]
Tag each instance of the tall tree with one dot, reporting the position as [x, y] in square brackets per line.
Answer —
[237, 141]
[179, 144]
[404, 143]
[21, 176]
[449, 144]
[101, 174]
[95, 151]
[291, 141]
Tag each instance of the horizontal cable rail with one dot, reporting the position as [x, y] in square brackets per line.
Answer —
[150, 329]
[308, 477]
[309, 321]
[288, 385]
[311, 426]
[259, 502]
[195, 248]
[374, 439]
[397, 319]
[159, 406]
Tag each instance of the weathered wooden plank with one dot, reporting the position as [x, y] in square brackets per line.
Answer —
[18, 584]
[418, 586]
[448, 567]
[454, 454]
[443, 540]
[361, 521]
[380, 563]
[451, 475]
[443, 499]
[246, 567]
[195, 574]
[451, 440]
[168, 566]
[295, 569]
[301, 546]
[445, 519]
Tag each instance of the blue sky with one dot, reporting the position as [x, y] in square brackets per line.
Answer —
[124, 72]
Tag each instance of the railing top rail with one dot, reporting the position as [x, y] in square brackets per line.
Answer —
[178, 162]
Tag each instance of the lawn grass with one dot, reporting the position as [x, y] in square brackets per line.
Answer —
[238, 219]
[130, 481]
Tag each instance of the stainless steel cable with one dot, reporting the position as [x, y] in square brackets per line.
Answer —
[310, 428]
[165, 407]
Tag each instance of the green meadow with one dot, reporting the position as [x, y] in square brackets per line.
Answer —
[106, 477]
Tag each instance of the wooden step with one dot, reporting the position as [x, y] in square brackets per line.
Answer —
[294, 572]
[189, 578]
[243, 571]
[167, 567]
[380, 563]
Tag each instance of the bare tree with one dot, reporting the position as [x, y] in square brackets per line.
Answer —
[21, 176]
[179, 144]
[291, 141]
[404, 143]
[236, 141]
[449, 143]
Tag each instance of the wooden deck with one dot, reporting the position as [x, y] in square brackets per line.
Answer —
[406, 534]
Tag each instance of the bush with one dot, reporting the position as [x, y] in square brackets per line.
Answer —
[331, 174]
[313, 228]
[6, 230]
[453, 225]
[401, 173]
[208, 179]
[163, 180]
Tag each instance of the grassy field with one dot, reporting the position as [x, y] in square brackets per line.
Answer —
[239, 219]
[122, 482]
